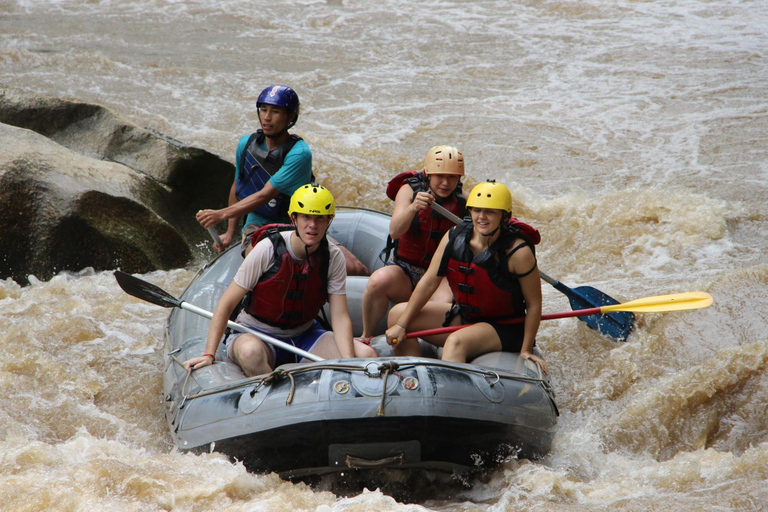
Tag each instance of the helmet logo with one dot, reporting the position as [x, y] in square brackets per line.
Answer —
[274, 91]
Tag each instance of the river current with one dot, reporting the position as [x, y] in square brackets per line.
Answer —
[631, 133]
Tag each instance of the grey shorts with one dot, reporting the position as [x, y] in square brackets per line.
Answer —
[413, 272]
[246, 234]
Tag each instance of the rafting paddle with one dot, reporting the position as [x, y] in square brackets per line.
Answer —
[655, 304]
[149, 292]
[617, 325]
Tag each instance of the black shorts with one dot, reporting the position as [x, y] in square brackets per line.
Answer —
[511, 335]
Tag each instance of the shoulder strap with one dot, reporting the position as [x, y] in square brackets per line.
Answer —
[325, 261]
[270, 161]
[453, 234]
[242, 153]
[386, 252]
[527, 242]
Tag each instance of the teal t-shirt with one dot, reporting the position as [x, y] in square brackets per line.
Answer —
[295, 172]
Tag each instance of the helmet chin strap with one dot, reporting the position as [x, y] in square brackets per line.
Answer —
[294, 221]
[306, 245]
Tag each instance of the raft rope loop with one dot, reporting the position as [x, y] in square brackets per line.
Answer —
[275, 376]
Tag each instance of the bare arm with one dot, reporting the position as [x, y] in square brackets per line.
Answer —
[231, 298]
[239, 208]
[232, 224]
[226, 238]
[406, 209]
[421, 294]
[520, 262]
[342, 325]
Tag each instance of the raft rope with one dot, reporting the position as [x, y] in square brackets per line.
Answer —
[275, 376]
[389, 366]
[386, 367]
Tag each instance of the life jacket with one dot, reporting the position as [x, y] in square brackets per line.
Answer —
[257, 166]
[483, 287]
[419, 243]
[289, 293]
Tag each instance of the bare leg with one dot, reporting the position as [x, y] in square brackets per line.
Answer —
[469, 342]
[443, 292]
[247, 232]
[252, 355]
[355, 267]
[432, 315]
[363, 350]
[387, 284]
[326, 348]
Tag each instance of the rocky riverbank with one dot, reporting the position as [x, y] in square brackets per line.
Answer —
[81, 187]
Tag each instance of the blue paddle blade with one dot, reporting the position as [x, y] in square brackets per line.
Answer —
[617, 325]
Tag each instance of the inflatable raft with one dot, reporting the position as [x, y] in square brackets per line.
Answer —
[339, 415]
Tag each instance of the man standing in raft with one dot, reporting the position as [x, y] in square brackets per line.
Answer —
[490, 264]
[284, 259]
[417, 230]
[269, 166]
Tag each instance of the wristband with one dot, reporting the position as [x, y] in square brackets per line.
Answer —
[213, 357]
[401, 325]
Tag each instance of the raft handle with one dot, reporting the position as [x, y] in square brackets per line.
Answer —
[359, 463]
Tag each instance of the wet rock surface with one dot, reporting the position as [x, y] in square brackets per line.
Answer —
[80, 187]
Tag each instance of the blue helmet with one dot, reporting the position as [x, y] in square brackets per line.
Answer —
[281, 96]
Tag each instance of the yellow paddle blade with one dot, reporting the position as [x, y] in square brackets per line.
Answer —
[661, 303]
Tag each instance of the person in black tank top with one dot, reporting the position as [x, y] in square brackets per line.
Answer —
[491, 269]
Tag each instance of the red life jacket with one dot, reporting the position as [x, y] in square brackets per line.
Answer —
[482, 285]
[419, 243]
[526, 229]
[289, 293]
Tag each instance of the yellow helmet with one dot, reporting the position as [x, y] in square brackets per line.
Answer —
[490, 195]
[312, 199]
[444, 160]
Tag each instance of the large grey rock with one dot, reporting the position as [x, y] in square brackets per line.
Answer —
[79, 187]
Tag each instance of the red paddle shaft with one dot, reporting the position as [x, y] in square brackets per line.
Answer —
[550, 316]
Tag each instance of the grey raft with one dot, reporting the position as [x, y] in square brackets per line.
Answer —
[338, 415]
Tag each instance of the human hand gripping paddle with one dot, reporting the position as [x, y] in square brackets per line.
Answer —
[214, 234]
[655, 304]
[147, 291]
[617, 324]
